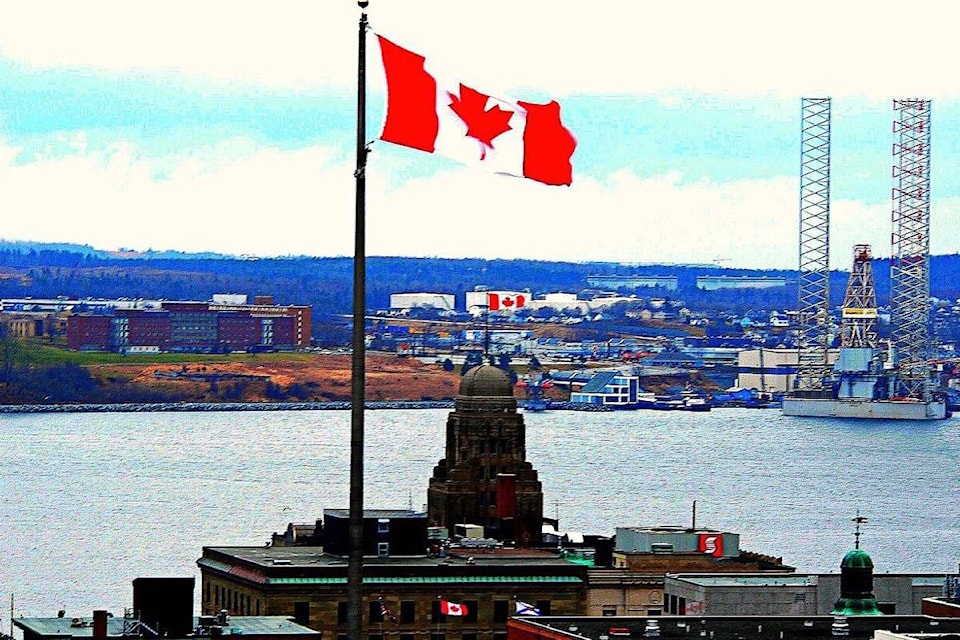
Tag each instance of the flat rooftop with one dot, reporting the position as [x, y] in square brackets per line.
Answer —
[302, 556]
[730, 627]
[73, 627]
[729, 580]
[671, 528]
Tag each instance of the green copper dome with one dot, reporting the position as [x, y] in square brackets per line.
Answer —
[856, 607]
[856, 559]
[856, 586]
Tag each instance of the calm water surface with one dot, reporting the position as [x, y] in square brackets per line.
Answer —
[88, 502]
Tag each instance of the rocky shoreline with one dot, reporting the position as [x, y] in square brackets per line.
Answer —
[213, 406]
[253, 406]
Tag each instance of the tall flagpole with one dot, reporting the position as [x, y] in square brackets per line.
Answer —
[358, 374]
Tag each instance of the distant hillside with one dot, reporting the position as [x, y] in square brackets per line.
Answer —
[20, 246]
[50, 270]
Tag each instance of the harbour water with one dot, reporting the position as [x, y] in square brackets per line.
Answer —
[88, 502]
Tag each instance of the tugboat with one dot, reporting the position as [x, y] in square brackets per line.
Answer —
[534, 384]
[695, 403]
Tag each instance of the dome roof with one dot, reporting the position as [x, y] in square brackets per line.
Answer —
[486, 380]
[856, 559]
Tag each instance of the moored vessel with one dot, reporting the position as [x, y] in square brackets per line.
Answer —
[866, 408]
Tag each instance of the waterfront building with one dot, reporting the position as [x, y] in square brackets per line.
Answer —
[221, 325]
[479, 301]
[484, 478]
[475, 546]
[771, 370]
[402, 590]
[733, 627]
[672, 359]
[852, 593]
[404, 302]
[21, 325]
[633, 282]
[102, 625]
[644, 557]
[63, 304]
[162, 607]
[610, 388]
[695, 594]
[713, 283]
[560, 303]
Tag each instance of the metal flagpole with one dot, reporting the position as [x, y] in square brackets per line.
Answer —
[486, 331]
[358, 372]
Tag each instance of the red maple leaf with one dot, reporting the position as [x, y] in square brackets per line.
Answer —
[482, 123]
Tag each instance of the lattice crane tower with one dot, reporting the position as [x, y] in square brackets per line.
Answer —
[858, 328]
[910, 240]
[814, 275]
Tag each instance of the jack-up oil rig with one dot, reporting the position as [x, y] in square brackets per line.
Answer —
[866, 380]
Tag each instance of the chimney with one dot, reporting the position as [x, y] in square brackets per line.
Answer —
[99, 624]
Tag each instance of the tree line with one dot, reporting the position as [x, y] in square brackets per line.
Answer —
[326, 283]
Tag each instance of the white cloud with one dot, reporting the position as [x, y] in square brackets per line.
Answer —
[736, 47]
[266, 201]
[621, 219]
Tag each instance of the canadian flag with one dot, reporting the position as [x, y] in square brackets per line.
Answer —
[448, 608]
[495, 301]
[452, 119]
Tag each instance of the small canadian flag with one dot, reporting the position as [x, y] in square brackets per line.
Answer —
[497, 301]
[448, 608]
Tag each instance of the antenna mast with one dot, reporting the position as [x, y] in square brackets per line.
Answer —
[856, 534]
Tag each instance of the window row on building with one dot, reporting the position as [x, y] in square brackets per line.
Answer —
[196, 329]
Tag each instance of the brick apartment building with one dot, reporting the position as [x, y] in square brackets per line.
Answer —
[192, 327]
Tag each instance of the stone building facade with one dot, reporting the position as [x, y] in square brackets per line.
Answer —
[485, 478]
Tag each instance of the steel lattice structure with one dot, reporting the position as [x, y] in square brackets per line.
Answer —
[910, 240]
[814, 275]
[859, 315]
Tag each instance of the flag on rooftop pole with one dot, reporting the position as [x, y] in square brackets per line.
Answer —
[386, 613]
[447, 117]
[526, 609]
[448, 608]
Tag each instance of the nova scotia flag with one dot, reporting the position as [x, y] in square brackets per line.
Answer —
[525, 609]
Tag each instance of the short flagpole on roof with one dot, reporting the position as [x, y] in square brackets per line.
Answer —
[486, 330]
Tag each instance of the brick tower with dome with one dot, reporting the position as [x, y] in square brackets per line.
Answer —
[484, 478]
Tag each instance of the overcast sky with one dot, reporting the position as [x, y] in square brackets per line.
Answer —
[230, 126]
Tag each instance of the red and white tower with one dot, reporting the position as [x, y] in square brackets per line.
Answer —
[910, 247]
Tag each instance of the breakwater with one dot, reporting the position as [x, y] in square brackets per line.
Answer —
[214, 406]
[255, 406]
